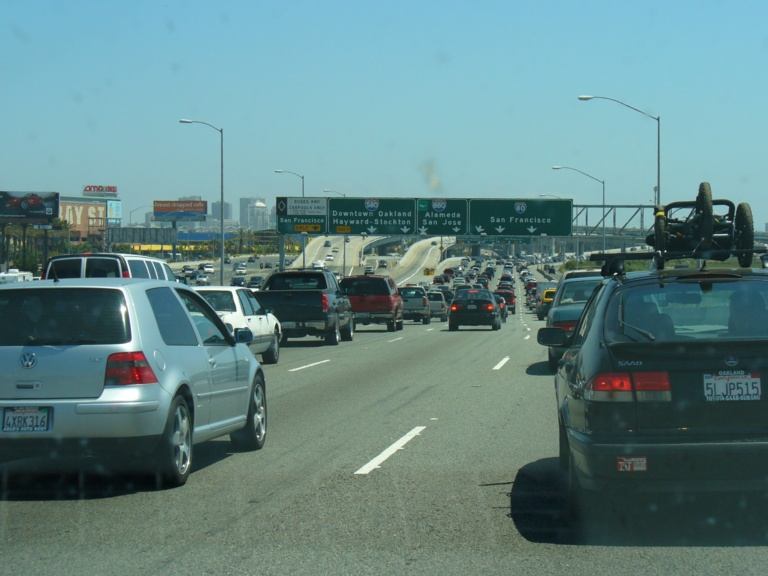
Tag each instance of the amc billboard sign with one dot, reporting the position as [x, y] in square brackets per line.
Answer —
[99, 191]
[180, 210]
[28, 206]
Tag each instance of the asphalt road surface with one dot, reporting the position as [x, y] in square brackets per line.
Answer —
[415, 452]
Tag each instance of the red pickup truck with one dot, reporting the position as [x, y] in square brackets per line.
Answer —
[374, 300]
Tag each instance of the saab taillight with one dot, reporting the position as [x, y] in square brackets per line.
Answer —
[324, 302]
[126, 368]
[622, 386]
[567, 325]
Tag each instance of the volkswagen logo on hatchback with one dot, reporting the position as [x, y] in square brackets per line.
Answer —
[28, 360]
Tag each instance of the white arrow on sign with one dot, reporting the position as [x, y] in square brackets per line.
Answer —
[531, 229]
[456, 229]
[499, 229]
[371, 229]
[479, 229]
[405, 229]
[423, 230]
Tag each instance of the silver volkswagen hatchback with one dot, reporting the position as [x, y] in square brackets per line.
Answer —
[130, 371]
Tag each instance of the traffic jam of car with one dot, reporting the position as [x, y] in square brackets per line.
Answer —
[657, 372]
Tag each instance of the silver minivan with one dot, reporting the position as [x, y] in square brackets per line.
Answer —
[127, 371]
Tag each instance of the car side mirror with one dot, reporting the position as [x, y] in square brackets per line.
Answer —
[552, 336]
[243, 335]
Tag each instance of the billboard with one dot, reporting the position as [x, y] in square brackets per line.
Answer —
[100, 191]
[180, 210]
[86, 216]
[28, 206]
[114, 212]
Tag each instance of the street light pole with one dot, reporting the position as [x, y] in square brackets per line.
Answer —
[221, 201]
[303, 234]
[657, 196]
[300, 176]
[130, 214]
[602, 183]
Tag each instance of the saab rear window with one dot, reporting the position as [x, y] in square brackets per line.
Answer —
[102, 268]
[681, 311]
[61, 317]
[221, 301]
[360, 286]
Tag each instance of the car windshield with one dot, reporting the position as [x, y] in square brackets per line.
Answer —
[577, 292]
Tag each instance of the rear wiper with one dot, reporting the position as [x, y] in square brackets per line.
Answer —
[648, 335]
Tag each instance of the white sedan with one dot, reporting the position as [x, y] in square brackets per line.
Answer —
[239, 308]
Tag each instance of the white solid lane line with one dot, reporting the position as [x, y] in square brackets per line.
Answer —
[395, 339]
[308, 366]
[500, 364]
[527, 337]
[376, 462]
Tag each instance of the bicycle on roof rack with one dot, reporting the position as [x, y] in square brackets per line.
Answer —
[704, 229]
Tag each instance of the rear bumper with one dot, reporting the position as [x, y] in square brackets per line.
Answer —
[659, 467]
[373, 317]
[299, 329]
[472, 319]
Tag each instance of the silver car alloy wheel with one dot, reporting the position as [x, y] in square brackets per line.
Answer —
[182, 438]
[259, 412]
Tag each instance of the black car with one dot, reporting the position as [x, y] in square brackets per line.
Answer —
[474, 307]
[254, 282]
[660, 387]
[237, 281]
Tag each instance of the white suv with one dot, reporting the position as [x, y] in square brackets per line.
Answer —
[107, 265]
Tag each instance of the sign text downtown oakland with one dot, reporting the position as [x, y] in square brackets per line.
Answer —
[381, 217]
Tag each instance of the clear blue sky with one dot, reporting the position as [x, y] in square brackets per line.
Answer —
[397, 98]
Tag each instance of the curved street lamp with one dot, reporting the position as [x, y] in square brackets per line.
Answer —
[602, 182]
[221, 205]
[301, 176]
[657, 199]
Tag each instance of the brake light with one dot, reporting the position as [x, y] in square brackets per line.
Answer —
[489, 307]
[126, 273]
[126, 368]
[454, 307]
[621, 386]
[324, 302]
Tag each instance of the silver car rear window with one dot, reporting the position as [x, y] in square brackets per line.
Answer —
[63, 316]
[102, 268]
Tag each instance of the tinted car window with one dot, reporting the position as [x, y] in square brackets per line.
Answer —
[577, 292]
[102, 268]
[66, 268]
[138, 269]
[173, 322]
[221, 301]
[298, 282]
[689, 311]
[245, 303]
[435, 296]
[63, 317]
[206, 322]
[360, 286]
[411, 292]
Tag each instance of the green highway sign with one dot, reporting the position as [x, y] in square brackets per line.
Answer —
[380, 216]
[297, 215]
[446, 217]
[520, 217]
